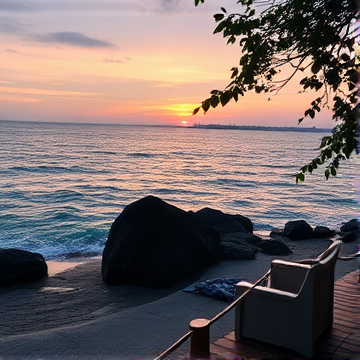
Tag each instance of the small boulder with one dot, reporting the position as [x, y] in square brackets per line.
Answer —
[235, 247]
[155, 244]
[322, 232]
[297, 230]
[274, 247]
[350, 231]
[20, 266]
[350, 236]
[251, 238]
[352, 225]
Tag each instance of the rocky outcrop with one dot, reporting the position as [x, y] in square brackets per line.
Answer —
[352, 225]
[237, 246]
[224, 223]
[350, 231]
[298, 230]
[20, 266]
[155, 244]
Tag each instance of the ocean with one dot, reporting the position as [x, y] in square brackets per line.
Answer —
[62, 185]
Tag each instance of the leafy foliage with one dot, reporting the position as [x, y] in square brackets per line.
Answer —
[317, 38]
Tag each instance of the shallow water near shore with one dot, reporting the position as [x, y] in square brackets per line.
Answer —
[62, 185]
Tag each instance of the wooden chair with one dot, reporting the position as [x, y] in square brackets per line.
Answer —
[295, 306]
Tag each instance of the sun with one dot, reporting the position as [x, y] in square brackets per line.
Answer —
[184, 122]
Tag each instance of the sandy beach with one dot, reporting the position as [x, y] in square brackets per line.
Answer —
[72, 313]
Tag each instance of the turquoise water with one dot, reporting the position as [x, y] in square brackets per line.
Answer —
[62, 185]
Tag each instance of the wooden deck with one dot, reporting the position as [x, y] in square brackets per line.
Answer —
[342, 342]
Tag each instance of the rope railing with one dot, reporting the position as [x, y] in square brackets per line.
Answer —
[174, 346]
[198, 325]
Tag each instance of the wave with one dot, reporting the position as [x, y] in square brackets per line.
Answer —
[141, 155]
[44, 169]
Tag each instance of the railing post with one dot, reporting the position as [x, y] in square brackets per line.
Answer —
[200, 339]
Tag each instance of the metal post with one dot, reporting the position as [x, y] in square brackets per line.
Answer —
[200, 339]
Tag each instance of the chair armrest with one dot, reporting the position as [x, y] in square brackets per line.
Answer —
[291, 264]
[262, 291]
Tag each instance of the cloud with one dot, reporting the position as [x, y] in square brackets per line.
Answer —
[10, 27]
[10, 50]
[116, 61]
[168, 6]
[65, 6]
[70, 38]
[16, 5]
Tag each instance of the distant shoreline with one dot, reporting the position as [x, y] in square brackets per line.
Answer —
[259, 128]
[195, 126]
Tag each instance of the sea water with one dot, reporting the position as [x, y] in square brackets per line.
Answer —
[62, 185]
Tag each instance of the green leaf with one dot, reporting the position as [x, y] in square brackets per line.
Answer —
[327, 174]
[220, 27]
[223, 10]
[206, 105]
[195, 111]
[214, 101]
[225, 97]
[218, 17]
[300, 177]
[231, 40]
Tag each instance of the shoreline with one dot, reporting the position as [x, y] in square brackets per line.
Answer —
[72, 312]
[56, 267]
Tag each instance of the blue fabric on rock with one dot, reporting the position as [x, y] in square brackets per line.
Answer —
[218, 288]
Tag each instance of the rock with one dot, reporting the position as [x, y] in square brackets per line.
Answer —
[274, 247]
[350, 231]
[224, 223]
[352, 225]
[350, 236]
[297, 230]
[275, 233]
[321, 232]
[237, 247]
[244, 221]
[20, 266]
[155, 244]
[251, 238]
[233, 251]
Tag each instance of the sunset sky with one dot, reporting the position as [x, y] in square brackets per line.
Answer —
[126, 62]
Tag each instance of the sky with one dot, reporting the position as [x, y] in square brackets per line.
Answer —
[148, 62]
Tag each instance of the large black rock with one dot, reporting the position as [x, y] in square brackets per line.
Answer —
[297, 230]
[155, 244]
[225, 223]
[20, 266]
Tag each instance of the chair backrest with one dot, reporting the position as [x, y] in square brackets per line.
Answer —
[321, 280]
